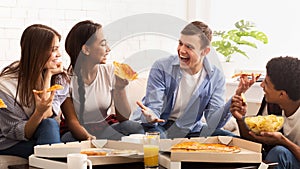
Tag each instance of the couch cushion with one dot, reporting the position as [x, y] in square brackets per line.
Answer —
[6, 160]
[135, 91]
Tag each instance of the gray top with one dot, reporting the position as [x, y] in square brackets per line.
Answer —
[14, 117]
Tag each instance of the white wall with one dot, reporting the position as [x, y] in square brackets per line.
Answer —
[16, 15]
[277, 18]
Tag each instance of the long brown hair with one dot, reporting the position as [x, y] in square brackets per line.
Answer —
[36, 47]
[82, 33]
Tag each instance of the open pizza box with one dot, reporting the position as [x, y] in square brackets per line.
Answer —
[56, 153]
[250, 151]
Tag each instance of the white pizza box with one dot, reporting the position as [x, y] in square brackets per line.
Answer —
[250, 151]
[61, 150]
[165, 161]
[133, 138]
[46, 163]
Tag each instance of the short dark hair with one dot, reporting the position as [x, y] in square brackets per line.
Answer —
[201, 29]
[284, 73]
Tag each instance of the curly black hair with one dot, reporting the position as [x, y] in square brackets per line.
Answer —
[284, 73]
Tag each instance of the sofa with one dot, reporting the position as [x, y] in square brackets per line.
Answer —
[6, 160]
[133, 94]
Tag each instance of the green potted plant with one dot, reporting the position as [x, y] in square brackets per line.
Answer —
[230, 42]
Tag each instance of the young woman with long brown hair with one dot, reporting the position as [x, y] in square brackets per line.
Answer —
[29, 119]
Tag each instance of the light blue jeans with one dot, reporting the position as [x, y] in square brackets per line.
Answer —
[46, 133]
[284, 157]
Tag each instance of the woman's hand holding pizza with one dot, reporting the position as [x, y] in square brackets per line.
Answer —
[43, 103]
[120, 83]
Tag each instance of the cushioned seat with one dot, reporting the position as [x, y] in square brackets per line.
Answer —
[6, 160]
[136, 90]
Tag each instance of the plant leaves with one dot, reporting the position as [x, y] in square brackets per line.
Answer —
[258, 35]
[232, 39]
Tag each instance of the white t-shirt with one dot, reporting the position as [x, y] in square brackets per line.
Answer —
[290, 127]
[187, 86]
[98, 95]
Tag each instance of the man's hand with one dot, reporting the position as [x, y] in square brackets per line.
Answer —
[150, 116]
[245, 83]
[270, 138]
[238, 107]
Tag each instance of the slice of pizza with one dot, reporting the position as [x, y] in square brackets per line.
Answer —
[242, 74]
[94, 153]
[52, 88]
[124, 71]
[2, 104]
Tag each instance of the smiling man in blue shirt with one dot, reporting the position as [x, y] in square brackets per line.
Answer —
[183, 88]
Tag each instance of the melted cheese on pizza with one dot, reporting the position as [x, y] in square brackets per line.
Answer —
[204, 147]
[124, 71]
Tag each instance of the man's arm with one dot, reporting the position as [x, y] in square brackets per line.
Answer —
[155, 93]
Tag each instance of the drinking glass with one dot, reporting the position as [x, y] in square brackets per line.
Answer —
[151, 150]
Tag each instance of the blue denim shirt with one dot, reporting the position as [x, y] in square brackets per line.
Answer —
[207, 100]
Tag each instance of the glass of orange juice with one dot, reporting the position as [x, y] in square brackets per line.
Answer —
[151, 150]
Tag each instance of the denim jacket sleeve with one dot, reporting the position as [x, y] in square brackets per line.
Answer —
[155, 92]
[217, 113]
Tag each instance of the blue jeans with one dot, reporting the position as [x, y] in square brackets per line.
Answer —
[46, 133]
[284, 157]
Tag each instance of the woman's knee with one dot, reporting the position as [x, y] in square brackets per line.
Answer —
[49, 122]
[47, 132]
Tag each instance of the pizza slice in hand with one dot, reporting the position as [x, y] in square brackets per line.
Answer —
[52, 88]
[242, 74]
[124, 71]
[2, 104]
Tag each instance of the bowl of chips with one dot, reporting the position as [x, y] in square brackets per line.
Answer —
[269, 123]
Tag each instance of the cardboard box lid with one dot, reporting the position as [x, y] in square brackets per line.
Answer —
[250, 151]
[62, 149]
